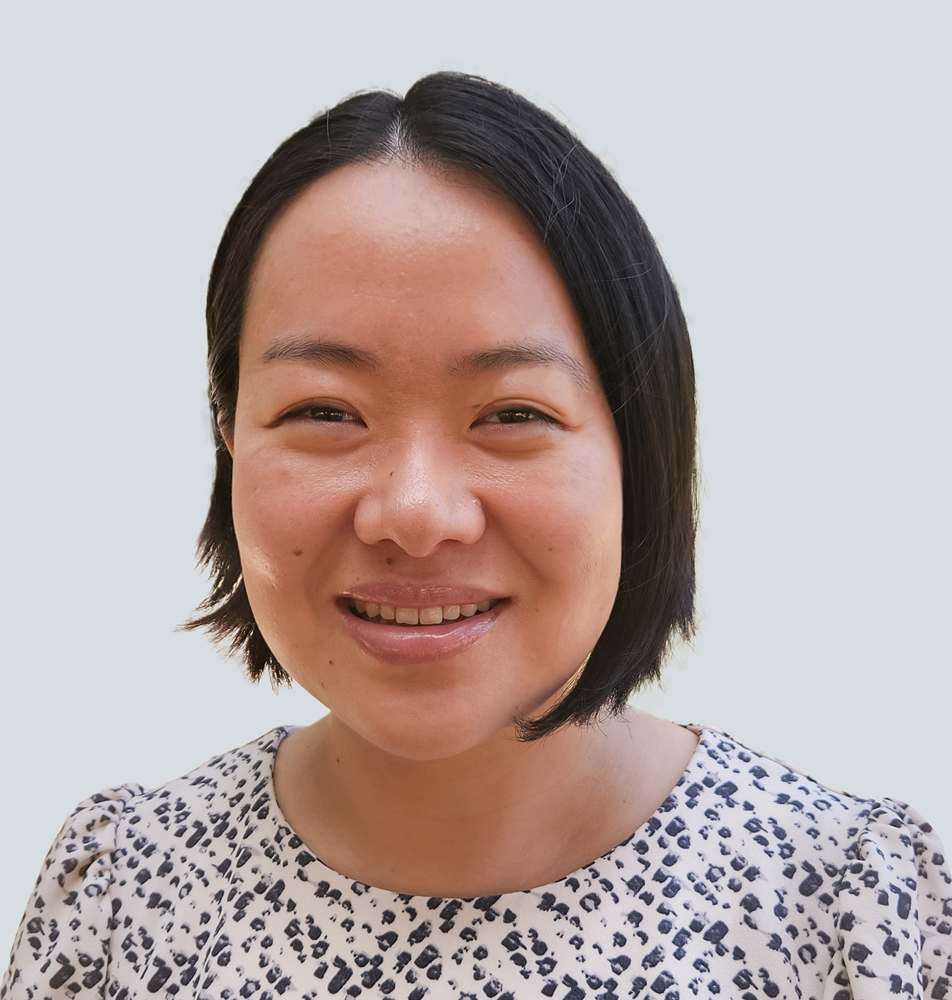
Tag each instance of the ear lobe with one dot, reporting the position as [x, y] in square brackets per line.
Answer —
[227, 434]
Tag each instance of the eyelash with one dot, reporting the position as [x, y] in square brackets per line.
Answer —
[341, 416]
[336, 415]
[532, 414]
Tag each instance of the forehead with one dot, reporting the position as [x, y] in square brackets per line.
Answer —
[392, 253]
[386, 208]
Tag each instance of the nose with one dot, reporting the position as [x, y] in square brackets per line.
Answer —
[419, 499]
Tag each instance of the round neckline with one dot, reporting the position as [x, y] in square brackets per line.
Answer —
[330, 875]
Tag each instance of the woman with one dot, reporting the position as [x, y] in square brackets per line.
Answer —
[454, 406]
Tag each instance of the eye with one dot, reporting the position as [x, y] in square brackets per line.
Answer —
[321, 413]
[330, 414]
[517, 415]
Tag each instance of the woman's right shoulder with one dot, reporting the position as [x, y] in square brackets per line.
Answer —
[103, 859]
[68, 914]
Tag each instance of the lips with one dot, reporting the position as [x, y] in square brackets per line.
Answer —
[422, 634]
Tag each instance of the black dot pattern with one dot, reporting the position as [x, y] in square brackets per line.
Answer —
[751, 881]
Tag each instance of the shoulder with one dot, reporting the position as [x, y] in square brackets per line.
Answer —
[239, 780]
[730, 771]
[68, 913]
[763, 791]
[872, 872]
[114, 844]
[895, 903]
[182, 812]
[177, 833]
[770, 803]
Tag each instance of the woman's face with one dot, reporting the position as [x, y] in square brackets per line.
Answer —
[427, 484]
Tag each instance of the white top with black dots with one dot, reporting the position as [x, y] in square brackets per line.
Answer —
[751, 881]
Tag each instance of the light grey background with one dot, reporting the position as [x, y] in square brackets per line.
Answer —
[793, 162]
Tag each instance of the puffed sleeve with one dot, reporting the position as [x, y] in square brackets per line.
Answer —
[895, 912]
[62, 946]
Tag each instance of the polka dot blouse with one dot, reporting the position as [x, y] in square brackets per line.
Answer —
[750, 881]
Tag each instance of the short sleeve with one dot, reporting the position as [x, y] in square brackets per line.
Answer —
[62, 946]
[895, 912]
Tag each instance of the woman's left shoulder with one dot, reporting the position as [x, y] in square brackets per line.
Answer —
[875, 866]
[895, 902]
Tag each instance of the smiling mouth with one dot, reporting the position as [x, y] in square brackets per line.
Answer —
[388, 614]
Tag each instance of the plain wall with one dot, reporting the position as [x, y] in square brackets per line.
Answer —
[793, 162]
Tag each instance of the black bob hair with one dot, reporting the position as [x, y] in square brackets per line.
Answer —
[623, 295]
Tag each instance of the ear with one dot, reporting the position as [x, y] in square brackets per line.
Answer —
[227, 434]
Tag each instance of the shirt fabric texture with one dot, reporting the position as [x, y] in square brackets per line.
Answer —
[750, 881]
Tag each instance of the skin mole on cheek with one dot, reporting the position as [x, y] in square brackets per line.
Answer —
[389, 560]
[299, 552]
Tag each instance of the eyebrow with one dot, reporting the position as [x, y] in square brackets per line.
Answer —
[324, 352]
[467, 365]
[515, 355]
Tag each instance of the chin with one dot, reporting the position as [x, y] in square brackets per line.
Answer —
[444, 726]
[430, 733]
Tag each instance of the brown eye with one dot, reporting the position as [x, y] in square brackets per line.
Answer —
[327, 414]
[321, 414]
[517, 415]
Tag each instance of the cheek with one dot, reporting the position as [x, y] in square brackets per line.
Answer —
[568, 522]
[285, 508]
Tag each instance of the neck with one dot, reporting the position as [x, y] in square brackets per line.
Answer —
[501, 816]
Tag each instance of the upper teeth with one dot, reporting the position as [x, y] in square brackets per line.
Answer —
[420, 616]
